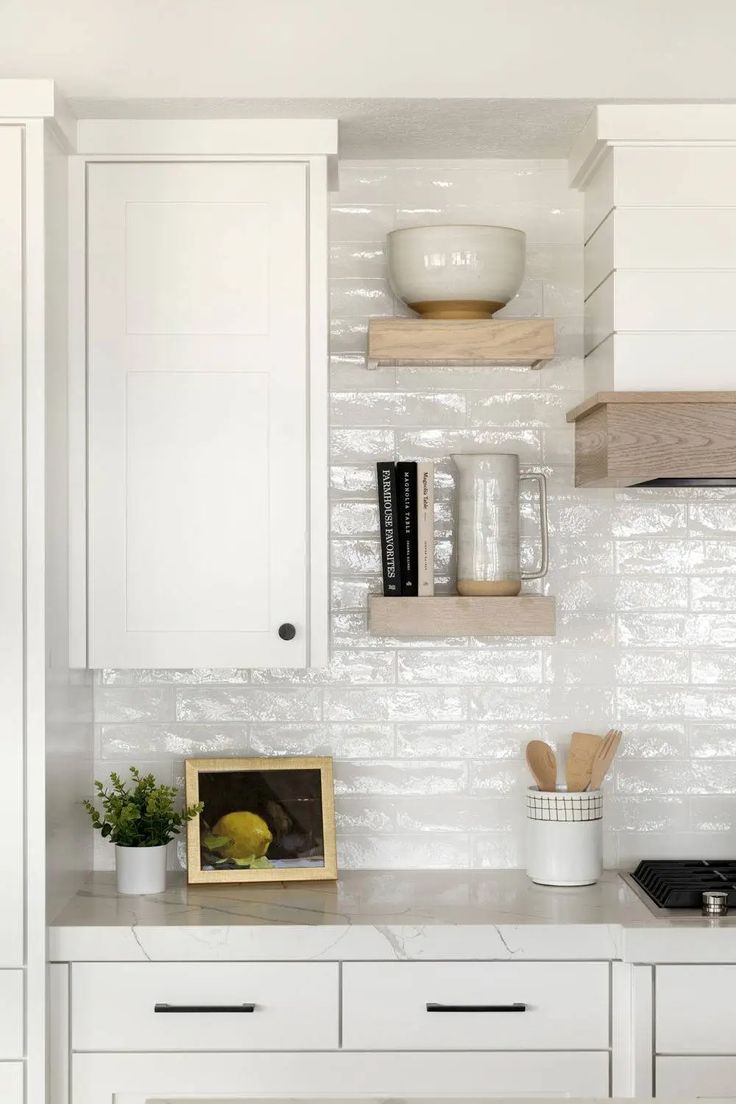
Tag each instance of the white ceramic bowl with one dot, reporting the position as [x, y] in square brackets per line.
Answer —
[456, 271]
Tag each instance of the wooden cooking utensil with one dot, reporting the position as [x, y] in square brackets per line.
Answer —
[542, 763]
[584, 747]
[604, 758]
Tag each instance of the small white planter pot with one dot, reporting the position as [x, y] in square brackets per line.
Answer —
[140, 869]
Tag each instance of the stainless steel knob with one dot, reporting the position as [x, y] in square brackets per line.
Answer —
[287, 631]
[715, 902]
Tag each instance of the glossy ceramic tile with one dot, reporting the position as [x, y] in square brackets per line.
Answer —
[428, 735]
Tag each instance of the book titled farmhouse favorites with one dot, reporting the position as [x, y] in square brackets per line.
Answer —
[387, 511]
[406, 511]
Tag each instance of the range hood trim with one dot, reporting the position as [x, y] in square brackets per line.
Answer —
[655, 438]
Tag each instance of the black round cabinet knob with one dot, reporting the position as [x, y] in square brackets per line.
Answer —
[287, 631]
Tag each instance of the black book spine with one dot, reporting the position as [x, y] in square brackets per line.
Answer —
[387, 509]
[406, 482]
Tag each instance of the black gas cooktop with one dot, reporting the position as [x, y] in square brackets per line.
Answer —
[680, 883]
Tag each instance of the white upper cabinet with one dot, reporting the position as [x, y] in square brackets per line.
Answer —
[201, 397]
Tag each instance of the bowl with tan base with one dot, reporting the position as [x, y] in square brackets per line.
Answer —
[456, 272]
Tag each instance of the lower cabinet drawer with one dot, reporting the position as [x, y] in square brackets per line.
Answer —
[205, 1006]
[696, 1009]
[239, 1078]
[11, 1082]
[11, 1014]
[475, 1006]
[695, 1077]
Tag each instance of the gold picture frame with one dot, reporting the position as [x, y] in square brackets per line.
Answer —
[266, 814]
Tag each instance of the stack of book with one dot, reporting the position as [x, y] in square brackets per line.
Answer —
[406, 508]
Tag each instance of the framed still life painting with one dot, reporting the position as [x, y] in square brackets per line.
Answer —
[264, 820]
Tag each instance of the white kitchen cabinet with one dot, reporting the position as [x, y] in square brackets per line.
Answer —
[476, 1005]
[11, 1082]
[12, 528]
[696, 1009]
[206, 382]
[11, 1014]
[139, 1006]
[694, 1077]
[133, 1078]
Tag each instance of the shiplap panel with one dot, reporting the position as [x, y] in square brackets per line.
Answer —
[662, 362]
[660, 176]
[643, 299]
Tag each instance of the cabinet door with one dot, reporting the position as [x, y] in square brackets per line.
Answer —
[245, 1078]
[197, 405]
[11, 527]
[696, 1009]
[11, 1082]
[697, 1078]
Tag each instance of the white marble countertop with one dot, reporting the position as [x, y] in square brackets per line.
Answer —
[380, 915]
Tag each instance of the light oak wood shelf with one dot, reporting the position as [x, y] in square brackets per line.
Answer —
[453, 615]
[629, 438]
[514, 341]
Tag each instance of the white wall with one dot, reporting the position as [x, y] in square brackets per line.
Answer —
[358, 48]
[428, 737]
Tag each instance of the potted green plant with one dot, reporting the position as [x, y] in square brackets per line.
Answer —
[139, 818]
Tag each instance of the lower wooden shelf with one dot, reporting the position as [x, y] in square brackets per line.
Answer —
[453, 615]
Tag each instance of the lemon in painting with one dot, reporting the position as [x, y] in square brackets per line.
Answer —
[249, 835]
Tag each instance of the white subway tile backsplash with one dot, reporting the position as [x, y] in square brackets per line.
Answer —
[641, 665]
[356, 446]
[438, 851]
[717, 593]
[411, 776]
[425, 704]
[428, 736]
[397, 408]
[165, 741]
[248, 704]
[634, 593]
[470, 666]
[139, 703]
[713, 741]
[344, 741]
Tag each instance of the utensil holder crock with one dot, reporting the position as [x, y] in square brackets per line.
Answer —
[564, 837]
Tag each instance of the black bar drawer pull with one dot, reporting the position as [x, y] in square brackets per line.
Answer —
[204, 1008]
[476, 1007]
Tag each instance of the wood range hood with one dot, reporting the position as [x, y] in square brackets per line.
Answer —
[655, 438]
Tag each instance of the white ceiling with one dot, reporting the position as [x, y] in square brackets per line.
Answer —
[391, 128]
[359, 49]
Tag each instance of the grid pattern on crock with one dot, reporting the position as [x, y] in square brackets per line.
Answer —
[564, 807]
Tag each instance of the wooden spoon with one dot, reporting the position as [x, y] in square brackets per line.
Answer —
[542, 763]
[584, 747]
[604, 758]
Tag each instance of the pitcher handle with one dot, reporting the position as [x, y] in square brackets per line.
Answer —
[541, 481]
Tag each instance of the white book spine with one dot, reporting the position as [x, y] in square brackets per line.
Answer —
[425, 528]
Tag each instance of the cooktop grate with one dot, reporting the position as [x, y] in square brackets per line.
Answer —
[680, 883]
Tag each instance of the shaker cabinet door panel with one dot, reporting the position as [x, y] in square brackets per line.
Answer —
[696, 1009]
[11, 1082]
[696, 1078]
[197, 406]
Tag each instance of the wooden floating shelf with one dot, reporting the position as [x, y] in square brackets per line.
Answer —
[629, 438]
[453, 615]
[513, 341]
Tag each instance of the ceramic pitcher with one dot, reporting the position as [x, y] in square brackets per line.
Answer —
[488, 524]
